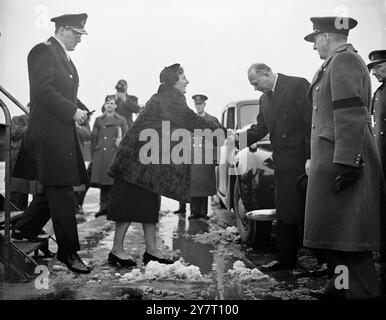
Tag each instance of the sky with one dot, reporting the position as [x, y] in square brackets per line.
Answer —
[215, 41]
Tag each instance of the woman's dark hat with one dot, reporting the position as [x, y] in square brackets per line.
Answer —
[340, 25]
[75, 22]
[376, 57]
[169, 75]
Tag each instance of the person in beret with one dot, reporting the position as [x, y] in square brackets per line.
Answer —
[345, 186]
[377, 66]
[203, 175]
[51, 153]
[126, 104]
[138, 181]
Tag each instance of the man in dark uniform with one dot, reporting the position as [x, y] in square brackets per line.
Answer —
[126, 104]
[203, 181]
[378, 68]
[51, 152]
[285, 113]
[345, 184]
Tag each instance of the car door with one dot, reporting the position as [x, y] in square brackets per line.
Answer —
[226, 158]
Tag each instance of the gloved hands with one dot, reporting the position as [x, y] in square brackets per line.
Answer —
[346, 176]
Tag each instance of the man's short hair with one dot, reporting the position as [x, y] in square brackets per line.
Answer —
[338, 37]
[259, 67]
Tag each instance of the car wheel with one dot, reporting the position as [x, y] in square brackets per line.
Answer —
[254, 233]
[246, 226]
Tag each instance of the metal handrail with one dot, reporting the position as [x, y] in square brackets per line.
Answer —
[7, 204]
[14, 100]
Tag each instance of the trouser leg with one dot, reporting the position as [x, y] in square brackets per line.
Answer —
[361, 275]
[34, 217]
[19, 200]
[195, 206]
[82, 194]
[104, 197]
[204, 206]
[287, 243]
[182, 206]
[61, 205]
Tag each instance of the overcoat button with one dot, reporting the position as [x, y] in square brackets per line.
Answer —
[104, 149]
[105, 138]
[71, 76]
[284, 135]
[313, 126]
[317, 88]
[315, 108]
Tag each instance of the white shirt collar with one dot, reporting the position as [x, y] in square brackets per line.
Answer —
[274, 84]
[64, 48]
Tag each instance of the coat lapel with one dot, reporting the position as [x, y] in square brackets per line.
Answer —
[322, 69]
[277, 100]
[68, 63]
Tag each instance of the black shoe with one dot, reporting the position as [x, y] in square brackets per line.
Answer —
[275, 266]
[147, 257]
[101, 213]
[125, 263]
[19, 236]
[74, 263]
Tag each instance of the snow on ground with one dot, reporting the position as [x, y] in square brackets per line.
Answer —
[243, 274]
[154, 270]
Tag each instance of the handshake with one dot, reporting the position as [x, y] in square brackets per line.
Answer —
[232, 136]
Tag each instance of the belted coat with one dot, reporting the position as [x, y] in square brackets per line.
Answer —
[203, 182]
[153, 154]
[350, 220]
[103, 145]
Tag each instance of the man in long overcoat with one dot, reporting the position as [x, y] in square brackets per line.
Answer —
[51, 152]
[378, 69]
[345, 175]
[203, 182]
[285, 113]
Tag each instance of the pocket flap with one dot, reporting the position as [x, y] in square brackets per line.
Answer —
[327, 133]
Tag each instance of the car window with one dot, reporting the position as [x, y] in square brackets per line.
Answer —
[223, 118]
[248, 114]
[231, 118]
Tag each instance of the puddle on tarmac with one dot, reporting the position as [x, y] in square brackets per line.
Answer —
[177, 233]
